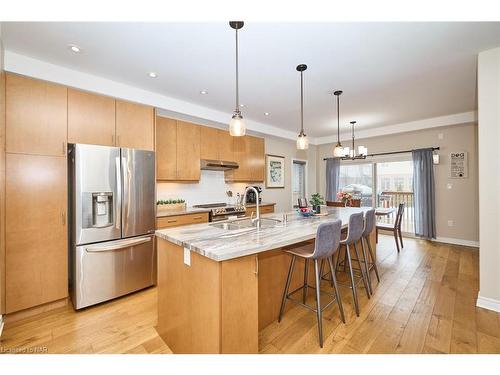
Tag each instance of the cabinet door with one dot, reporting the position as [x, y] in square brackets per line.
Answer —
[188, 151]
[226, 151]
[241, 147]
[166, 149]
[91, 118]
[209, 143]
[257, 159]
[36, 233]
[36, 117]
[134, 125]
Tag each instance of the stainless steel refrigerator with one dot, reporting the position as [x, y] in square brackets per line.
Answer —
[112, 213]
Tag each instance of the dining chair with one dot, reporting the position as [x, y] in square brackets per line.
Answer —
[395, 228]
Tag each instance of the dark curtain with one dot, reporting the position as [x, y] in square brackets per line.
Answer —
[424, 195]
[332, 178]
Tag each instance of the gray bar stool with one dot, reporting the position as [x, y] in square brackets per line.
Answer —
[326, 244]
[354, 234]
[368, 257]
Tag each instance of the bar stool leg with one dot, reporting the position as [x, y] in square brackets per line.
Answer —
[367, 267]
[287, 286]
[318, 303]
[361, 268]
[353, 284]
[335, 288]
[372, 258]
[306, 277]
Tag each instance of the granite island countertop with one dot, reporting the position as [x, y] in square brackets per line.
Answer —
[219, 244]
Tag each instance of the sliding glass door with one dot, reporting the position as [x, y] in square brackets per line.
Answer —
[357, 179]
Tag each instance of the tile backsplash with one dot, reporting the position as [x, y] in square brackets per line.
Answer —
[210, 189]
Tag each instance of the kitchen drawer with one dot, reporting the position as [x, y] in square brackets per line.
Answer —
[175, 221]
[267, 209]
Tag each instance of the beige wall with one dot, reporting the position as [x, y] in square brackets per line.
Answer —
[460, 203]
[489, 178]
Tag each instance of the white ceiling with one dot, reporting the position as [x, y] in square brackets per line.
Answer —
[390, 73]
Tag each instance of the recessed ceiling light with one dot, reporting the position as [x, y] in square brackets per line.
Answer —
[203, 92]
[242, 105]
[266, 113]
[152, 75]
[74, 48]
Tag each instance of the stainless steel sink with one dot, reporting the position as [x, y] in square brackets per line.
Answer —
[246, 223]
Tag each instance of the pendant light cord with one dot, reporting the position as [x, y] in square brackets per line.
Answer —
[338, 119]
[301, 104]
[237, 71]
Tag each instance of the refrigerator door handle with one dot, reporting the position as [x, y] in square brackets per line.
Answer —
[118, 246]
[119, 187]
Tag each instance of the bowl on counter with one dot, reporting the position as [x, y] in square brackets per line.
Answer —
[305, 212]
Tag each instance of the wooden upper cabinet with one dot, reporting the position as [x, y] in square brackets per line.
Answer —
[36, 114]
[36, 231]
[209, 143]
[166, 149]
[188, 151]
[91, 118]
[257, 153]
[225, 141]
[134, 125]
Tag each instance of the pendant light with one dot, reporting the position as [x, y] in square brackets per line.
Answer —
[237, 126]
[338, 151]
[350, 154]
[302, 141]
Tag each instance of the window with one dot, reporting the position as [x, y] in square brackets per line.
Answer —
[298, 181]
[357, 179]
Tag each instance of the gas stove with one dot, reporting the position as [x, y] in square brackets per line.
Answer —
[222, 211]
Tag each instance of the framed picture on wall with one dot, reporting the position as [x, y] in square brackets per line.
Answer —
[275, 171]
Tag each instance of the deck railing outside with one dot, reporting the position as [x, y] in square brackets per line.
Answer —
[393, 199]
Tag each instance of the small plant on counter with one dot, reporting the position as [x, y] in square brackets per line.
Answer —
[169, 201]
[316, 201]
[171, 205]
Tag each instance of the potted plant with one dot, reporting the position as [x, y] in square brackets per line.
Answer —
[171, 205]
[344, 197]
[316, 202]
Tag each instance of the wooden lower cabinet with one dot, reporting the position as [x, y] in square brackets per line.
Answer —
[265, 209]
[178, 220]
[36, 231]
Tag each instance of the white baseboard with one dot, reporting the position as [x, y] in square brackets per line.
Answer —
[457, 241]
[1, 325]
[488, 303]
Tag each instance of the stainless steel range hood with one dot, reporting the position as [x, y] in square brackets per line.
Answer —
[217, 165]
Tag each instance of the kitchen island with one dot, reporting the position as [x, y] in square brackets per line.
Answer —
[217, 288]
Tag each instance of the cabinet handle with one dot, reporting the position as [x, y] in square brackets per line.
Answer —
[63, 217]
[113, 140]
[64, 147]
[171, 221]
[196, 217]
[118, 140]
[256, 266]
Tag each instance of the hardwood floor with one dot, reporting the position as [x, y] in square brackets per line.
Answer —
[425, 303]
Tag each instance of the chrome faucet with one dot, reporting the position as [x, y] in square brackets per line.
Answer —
[257, 205]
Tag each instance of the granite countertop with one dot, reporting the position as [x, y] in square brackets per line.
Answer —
[219, 244]
[195, 210]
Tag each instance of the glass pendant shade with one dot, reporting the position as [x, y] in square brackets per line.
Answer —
[338, 151]
[302, 142]
[237, 126]
[362, 150]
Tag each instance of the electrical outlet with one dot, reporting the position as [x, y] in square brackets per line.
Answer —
[440, 136]
[449, 186]
[451, 223]
[187, 257]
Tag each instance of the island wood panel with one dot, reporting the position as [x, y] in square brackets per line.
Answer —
[36, 231]
[239, 307]
[91, 118]
[166, 149]
[189, 309]
[209, 143]
[36, 116]
[178, 220]
[134, 125]
[188, 151]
